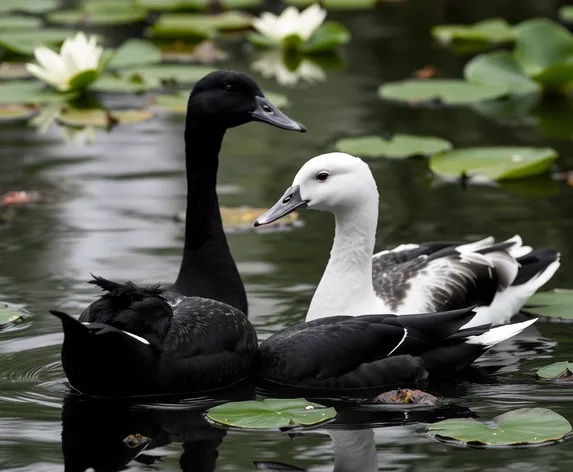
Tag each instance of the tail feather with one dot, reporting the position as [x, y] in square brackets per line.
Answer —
[498, 334]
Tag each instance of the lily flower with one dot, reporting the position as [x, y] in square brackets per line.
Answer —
[77, 55]
[271, 64]
[291, 22]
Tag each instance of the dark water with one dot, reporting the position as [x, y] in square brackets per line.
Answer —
[116, 221]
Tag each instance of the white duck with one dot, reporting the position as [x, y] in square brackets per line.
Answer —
[411, 278]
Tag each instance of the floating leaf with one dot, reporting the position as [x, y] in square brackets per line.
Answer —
[155, 74]
[10, 314]
[557, 303]
[327, 37]
[101, 118]
[109, 83]
[29, 92]
[135, 52]
[561, 372]
[29, 6]
[493, 163]
[542, 44]
[445, 91]
[399, 146]
[19, 22]
[25, 41]
[271, 413]
[200, 5]
[97, 18]
[16, 112]
[495, 30]
[517, 427]
[499, 68]
[177, 25]
[336, 4]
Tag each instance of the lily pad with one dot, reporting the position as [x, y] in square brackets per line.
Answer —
[336, 4]
[97, 18]
[11, 314]
[199, 5]
[494, 30]
[177, 25]
[399, 146]
[542, 44]
[499, 68]
[29, 6]
[329, 36]
[19, 22]
[560, 372]
[517, 427]
[444, 91]
[25, 41]
[271, 413]
[566, 14]
[557, 303]
[493, 163]
[101, 118]
[135, 52]
[109, 83]
[155, 74]
[16, 112]
[29, 92]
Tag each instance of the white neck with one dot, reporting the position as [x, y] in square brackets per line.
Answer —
[346, 285]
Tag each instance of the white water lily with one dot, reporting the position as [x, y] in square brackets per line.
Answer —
[81, 136]
[78, 54]
[271, 64]
[291, 22]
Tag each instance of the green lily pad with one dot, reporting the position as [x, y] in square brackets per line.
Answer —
[198, 5]
[271, 413]
[155, 74]
[541, 44]
[399, 146]
[176, 25]
[566, 13]
[336, 4]
[499, 68]
[28, 6]
[25, 41]
[329, 36]
[30, 92]
[19, 22]
[11, 314]
[135, 52]
[557, 303]
[493, 163]
[97, 18]
[11, 113]
[109, 83]
[517, 427]
[558, 371]
[76, 117]
[495, 30]
[445, 91]
[177, 104]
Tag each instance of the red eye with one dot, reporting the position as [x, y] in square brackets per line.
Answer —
[227, 88]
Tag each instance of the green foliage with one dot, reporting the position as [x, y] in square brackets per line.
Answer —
[495, 30]
[558, 371]
[557, 303]
[493, 163]
[195, 5]
[271, 413]
[399, 146]
[28, 6]
[176, 25]
[29, 92]
[135, 52]
[336, 4]
[24, 41]
[518, 427]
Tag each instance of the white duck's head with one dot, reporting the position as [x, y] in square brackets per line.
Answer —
[334, 182]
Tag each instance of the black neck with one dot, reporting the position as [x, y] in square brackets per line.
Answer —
[208, 269]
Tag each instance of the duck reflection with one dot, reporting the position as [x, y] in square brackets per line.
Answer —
[105, 436]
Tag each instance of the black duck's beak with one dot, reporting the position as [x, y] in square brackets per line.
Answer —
[289, 202]
[266, 112]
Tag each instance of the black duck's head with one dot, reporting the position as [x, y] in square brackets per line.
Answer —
[226, 99]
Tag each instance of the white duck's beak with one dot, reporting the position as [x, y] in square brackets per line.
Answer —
[289, 202]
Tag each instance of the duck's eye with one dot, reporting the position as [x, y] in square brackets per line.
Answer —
[228, 87]
[322, 176]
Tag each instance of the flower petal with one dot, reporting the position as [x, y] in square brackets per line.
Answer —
[45, 76]
[288, 22]
[309, 21]
[267, 28]
[51, 61]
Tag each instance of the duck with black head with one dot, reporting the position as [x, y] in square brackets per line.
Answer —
[193, 336]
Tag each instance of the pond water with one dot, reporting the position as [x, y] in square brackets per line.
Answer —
[116, 220]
